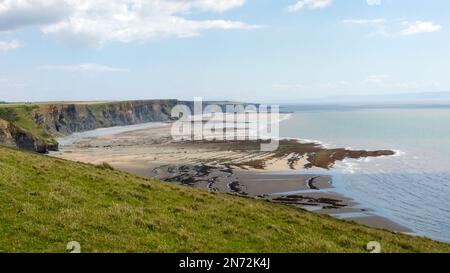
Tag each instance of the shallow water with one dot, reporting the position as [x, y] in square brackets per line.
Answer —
[412, 188]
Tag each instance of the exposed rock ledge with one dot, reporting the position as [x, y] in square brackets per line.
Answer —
[14, 136]
[64, 119]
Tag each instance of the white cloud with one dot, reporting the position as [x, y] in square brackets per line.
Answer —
[214, 5]
[96, 22]
[313, 4]
[373, 2]
[88, 67]
[395, 27]
[420, 27]
[9, 45]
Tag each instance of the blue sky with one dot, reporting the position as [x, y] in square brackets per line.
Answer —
[253, 50]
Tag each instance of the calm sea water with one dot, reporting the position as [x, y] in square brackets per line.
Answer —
[412, 188]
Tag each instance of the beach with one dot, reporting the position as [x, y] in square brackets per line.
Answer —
[235, 167]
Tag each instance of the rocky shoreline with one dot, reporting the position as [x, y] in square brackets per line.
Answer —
[224, 179]
[296, 154]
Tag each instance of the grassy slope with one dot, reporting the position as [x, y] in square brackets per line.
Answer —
[47, 202]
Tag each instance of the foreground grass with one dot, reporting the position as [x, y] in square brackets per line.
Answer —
[47, 202]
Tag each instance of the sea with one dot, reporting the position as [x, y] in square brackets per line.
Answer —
[411, 188]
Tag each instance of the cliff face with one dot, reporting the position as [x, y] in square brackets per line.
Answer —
[35, 126]
[14, 136]
[64, 119]
[54, 120]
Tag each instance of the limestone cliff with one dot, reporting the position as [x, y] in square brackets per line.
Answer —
[14, 136]
[63, 119]
[46, 121]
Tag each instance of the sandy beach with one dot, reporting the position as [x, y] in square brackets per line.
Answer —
[235, 167]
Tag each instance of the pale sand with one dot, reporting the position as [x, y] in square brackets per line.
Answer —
[148, 145]
[141, 151]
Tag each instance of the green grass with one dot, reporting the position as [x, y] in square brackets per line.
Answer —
[46, 202]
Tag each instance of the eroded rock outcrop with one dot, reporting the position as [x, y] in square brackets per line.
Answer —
[64, 119]
[14, 136]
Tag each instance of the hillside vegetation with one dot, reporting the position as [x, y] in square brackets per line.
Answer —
[46, 202]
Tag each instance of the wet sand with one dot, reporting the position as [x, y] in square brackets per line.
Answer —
[235, 167]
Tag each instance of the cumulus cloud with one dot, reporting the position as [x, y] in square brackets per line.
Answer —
[88, 67]
[96, 22]
[9, 45]
[420, 27]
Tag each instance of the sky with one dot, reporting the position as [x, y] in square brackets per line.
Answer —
[243, 50]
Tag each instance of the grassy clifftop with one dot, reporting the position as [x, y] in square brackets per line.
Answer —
[47, 202]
